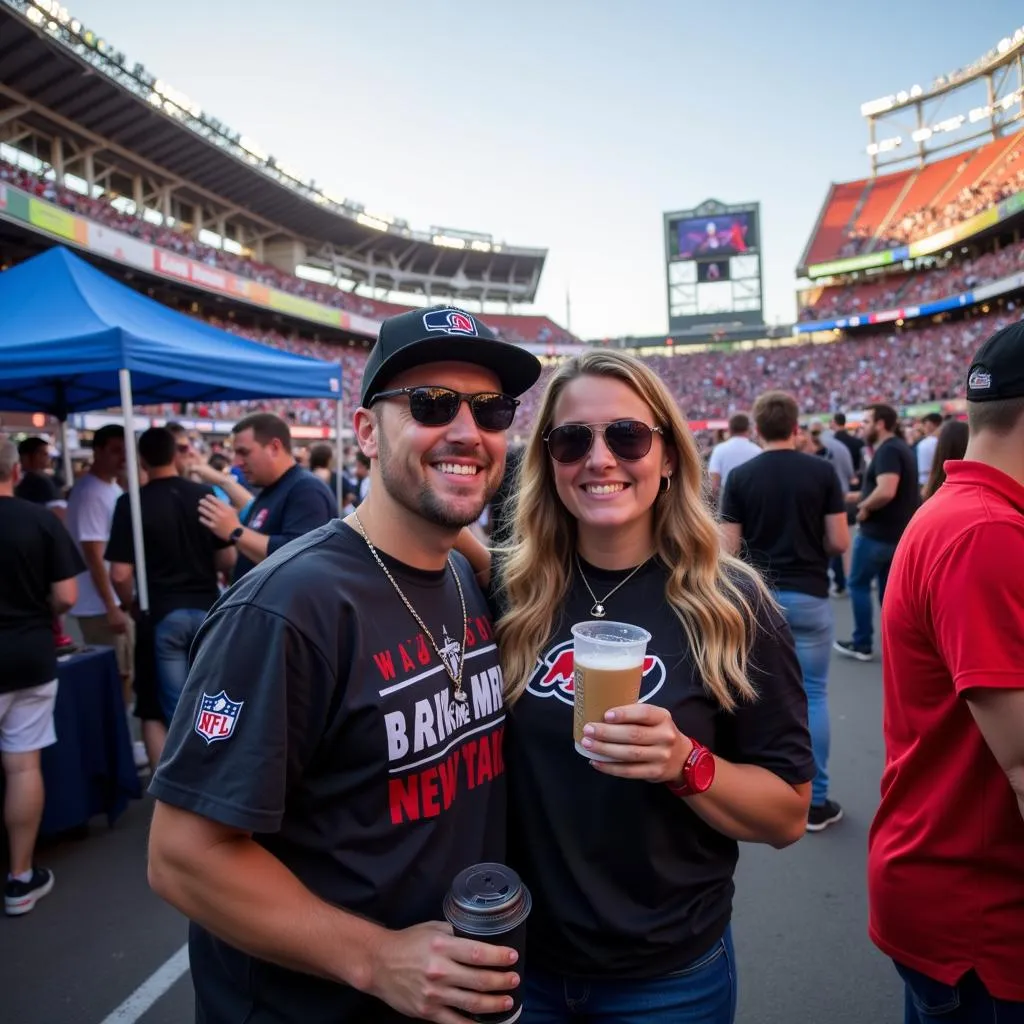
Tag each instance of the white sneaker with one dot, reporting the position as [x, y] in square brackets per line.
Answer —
[140, 755]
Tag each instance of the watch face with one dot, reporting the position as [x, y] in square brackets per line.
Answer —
[703, 772]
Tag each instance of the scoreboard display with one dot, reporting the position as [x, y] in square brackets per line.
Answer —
[713, 266]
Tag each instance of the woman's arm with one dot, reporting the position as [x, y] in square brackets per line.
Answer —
[478, 556]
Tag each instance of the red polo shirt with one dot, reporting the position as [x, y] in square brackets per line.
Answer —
[946, 848]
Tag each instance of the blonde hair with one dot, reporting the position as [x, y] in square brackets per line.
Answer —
[712, 593]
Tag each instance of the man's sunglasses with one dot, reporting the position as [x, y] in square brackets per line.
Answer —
[629, 440]
[436, 407]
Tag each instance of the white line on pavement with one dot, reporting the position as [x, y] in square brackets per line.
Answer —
[150, 990]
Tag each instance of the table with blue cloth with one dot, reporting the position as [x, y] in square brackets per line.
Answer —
[90, 769]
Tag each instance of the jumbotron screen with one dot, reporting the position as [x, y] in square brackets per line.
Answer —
[713, 266]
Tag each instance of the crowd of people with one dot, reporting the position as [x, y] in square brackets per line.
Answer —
[520, 330]
[1004, 179]
[926, 285]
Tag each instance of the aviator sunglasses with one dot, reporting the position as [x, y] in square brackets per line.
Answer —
[436, 407]
[629, 440]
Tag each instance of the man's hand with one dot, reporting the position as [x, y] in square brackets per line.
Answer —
[205, 472]
[425, 972]
[117, 620]
[862, 513]
[644, 741]
[218, 517]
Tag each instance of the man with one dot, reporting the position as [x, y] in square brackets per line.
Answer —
[946, 848]
[827, 446]
[182, 562]
[336, 767]
[291, 501]
[853, 444]
[362, 474]
[889, 499]
[36, 485]
[38, 566]
[725, 457]
[925, 450]
[185, 454]
[786, 512]
[98, 611]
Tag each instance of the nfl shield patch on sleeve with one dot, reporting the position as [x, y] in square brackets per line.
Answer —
[216, 717]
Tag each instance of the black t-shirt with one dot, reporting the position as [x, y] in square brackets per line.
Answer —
[180, 551]
[627, 881]
[295, 504]
[36, 551]
[855, 446]
[318, 716]
[781, 498]
[888, 523]
[37, 488]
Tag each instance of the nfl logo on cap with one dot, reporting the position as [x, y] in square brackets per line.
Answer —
[217, 716]
[450, 321]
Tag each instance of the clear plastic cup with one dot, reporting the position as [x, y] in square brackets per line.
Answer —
[608, 662]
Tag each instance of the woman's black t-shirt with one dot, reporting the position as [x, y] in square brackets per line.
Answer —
[627, 880]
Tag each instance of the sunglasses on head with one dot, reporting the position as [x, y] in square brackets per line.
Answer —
[437, 407]
[629, 440]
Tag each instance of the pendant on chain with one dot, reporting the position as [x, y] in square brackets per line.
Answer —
[597, 611]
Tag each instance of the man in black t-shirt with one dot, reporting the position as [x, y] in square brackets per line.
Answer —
[182, 562]
[785, 513]
[38, 566]
[337, 754]
[889, 499]
[35, 484]
[291, 500]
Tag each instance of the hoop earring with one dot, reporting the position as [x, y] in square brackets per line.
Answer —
[666, 484]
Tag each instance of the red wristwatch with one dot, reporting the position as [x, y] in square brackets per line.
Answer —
[698, 772]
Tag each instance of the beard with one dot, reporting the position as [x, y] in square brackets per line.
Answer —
[417, 496]
[872, 436]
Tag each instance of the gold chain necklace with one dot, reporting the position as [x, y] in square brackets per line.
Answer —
[451, 650]
[597, 609]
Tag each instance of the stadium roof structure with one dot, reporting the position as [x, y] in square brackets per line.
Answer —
[69, 330]
[55, 72]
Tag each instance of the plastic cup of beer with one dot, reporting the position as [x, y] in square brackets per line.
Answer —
[608, 662]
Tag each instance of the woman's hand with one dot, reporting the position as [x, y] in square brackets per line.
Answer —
[644, 741]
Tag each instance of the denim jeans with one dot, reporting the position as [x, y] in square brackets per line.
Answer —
[703, 992]
[966, 1002]
[173, 636]
[838, 572]
[813, 626]
[871, 560]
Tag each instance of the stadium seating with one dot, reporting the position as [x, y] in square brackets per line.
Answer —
[894, 209]
[520, 329]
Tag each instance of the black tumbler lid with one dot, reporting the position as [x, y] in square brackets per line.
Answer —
[487, 899]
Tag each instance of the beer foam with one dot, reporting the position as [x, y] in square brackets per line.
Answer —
[608, 661]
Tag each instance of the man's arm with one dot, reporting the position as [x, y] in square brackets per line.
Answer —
[63, 595]
[732, 537]
[92, 552]
[122, 577]
[222, 520]
[837, 533]
[999, 715]
[885, 490]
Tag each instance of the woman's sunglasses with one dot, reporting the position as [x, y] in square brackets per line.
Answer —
[436, 407]
[629, 440]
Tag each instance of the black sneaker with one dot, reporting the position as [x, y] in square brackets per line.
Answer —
[21, 897]
[820, 816]
[848, 649]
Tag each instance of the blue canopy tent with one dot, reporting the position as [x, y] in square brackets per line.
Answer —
[73, 339]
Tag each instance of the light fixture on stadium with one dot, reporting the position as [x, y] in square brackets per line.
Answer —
[885, 145]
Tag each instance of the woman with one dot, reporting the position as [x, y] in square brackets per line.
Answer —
[632, 878]
[952, 444]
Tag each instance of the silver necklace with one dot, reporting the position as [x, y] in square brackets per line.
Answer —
[450, 651]
[597, 609]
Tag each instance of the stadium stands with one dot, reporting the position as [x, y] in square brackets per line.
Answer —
[894, 209]
[520, 329]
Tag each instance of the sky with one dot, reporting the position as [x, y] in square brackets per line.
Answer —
[570, 125]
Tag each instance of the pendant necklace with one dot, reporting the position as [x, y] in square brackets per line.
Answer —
[597, 610]
[450, 652]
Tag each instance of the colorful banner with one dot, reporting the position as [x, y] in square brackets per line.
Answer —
[58, 222]
[851, 263]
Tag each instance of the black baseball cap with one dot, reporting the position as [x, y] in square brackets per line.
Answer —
[441, 334]
[997, 370]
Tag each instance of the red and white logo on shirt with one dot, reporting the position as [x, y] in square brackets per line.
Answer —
[555, 675]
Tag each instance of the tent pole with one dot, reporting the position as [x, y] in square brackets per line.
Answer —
[131, 457]
[339, 452]
[65, 451]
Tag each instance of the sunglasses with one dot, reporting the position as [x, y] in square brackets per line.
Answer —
[436, 407]
[629, 440]
[184, 449]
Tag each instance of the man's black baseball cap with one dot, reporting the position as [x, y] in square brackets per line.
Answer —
[442, 334]
[997, 370]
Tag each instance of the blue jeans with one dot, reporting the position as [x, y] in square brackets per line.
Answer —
[173, 636]
[813, 626]
[838, 572]
[703, 992]
[966, 1002]
[871, 560]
